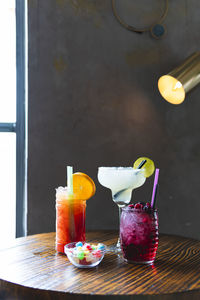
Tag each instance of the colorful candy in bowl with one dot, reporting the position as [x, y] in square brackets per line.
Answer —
[85, 255]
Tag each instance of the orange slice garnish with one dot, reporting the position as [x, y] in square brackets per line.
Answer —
[84, 187]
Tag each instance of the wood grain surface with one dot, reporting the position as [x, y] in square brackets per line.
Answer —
[30, 268]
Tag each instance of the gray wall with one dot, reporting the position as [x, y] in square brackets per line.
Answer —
[93, 101]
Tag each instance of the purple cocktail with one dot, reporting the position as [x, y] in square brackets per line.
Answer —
[139, 233]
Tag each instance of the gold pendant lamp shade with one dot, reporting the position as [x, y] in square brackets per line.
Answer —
[181, 80]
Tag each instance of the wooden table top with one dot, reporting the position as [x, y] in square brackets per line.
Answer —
[30, 268]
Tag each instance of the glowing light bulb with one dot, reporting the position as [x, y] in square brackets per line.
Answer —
[171, 89]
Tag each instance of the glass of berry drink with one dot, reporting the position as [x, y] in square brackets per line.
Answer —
[139, 233]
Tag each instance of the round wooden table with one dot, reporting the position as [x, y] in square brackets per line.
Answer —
[30, 269]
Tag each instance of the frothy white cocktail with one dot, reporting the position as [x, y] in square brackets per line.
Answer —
[121, 181]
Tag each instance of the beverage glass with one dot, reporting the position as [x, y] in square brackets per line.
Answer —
[121, 181]
[139, 235]
[70, 218]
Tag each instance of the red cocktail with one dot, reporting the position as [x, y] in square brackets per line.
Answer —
[70, 219]
[139, 233]
[70, 209]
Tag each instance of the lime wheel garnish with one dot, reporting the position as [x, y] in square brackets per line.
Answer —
[148, 167]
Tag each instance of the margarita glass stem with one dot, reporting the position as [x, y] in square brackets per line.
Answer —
[120, 211]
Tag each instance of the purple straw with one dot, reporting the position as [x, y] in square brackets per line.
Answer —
[154, 188]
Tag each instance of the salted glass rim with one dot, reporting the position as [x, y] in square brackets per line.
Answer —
[120, 169]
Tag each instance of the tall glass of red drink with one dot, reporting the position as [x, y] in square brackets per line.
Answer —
[70, 218]
[139, 233]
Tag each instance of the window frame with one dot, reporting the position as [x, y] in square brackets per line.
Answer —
[20, 126]
[21, 118]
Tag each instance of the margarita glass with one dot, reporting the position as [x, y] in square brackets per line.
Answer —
[121, 181]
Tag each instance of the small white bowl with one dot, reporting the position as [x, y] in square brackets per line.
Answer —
[84, 260]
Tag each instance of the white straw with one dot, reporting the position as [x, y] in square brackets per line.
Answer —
[70, 179]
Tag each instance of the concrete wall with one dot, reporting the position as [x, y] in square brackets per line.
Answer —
[93, 101]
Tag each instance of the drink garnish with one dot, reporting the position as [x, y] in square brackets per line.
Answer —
[147, 166]
[138, 206]
[84, 186]
[155, 188]
[141, 206]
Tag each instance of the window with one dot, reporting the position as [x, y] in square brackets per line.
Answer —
[12, 120]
